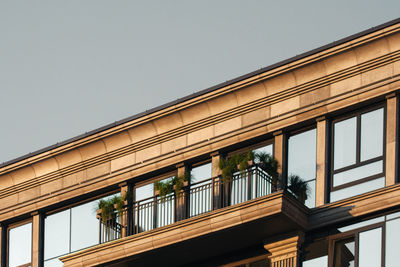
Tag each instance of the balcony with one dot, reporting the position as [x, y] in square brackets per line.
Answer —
[213, 218]
[193, 200]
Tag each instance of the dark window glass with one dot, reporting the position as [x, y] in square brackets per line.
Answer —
[20, 245]
[260, 263]
[344, 253]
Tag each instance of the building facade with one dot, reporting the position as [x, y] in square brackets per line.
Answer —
[329, 117]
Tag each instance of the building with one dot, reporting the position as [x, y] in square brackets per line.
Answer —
[329, 116]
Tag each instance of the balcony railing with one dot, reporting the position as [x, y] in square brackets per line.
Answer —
[193, 200]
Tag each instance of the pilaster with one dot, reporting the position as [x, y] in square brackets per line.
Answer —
[124, 217]
[320, 183]
[37, 239]
[279, 154]
[285, 253]
[391, 138]
[181, 202]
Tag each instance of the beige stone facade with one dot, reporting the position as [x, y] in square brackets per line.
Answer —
[309, 91]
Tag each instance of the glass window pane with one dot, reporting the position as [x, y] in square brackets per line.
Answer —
[265, 149]
[357, 189]
[392, 243]
[370, 245]
[392, 215]
[345, 139]
[361, 224]
[344, 253]
[56, 234]
[84, 226]
[200, 173]
[310, 201]
[302, 155]
[53, 263]
[144, 192]
[20, 245]
[317, 262]
[358, 173]
[372, 134]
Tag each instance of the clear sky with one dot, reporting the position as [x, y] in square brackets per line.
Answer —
[68, 67]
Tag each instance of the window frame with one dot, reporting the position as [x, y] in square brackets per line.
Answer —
[358, 163]
[69, 208]
[355, 233]
[16, 225]
[290, 134]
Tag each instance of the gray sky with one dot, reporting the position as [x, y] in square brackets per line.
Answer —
[68, 67]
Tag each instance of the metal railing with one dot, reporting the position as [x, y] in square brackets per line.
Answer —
[193, 200]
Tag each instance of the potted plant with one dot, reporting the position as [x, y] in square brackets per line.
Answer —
[106, 207]
[239, 162]
[163, 188]
[270, 165]
[298, 187]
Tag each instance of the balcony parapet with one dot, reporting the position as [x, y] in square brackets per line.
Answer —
[259, 218]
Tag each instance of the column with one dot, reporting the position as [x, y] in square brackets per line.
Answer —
[215, 174]
[322, 157]
[280, 148]
[37, 239]
[286, 252]
[391, 138]
[182, 199]
[124, 216]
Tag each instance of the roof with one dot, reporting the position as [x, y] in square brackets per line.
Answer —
[204, 91]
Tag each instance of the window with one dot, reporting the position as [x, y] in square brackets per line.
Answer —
[20, 245]
[200, 195]
[147, 203]
[70, 230]
[369, 243]
[357, 154]
[302, 151]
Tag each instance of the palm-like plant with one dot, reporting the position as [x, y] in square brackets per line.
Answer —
[299, 188]
[238, 162]
[269, 164]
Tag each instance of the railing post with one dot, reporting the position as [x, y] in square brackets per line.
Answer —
[155, 205]
[249, 183]
[256, 181]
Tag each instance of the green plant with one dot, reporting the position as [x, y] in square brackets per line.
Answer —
[171, 185]
[238, 162]
[107, 209]
[109, 205]
[299, 188]
[269, 164]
